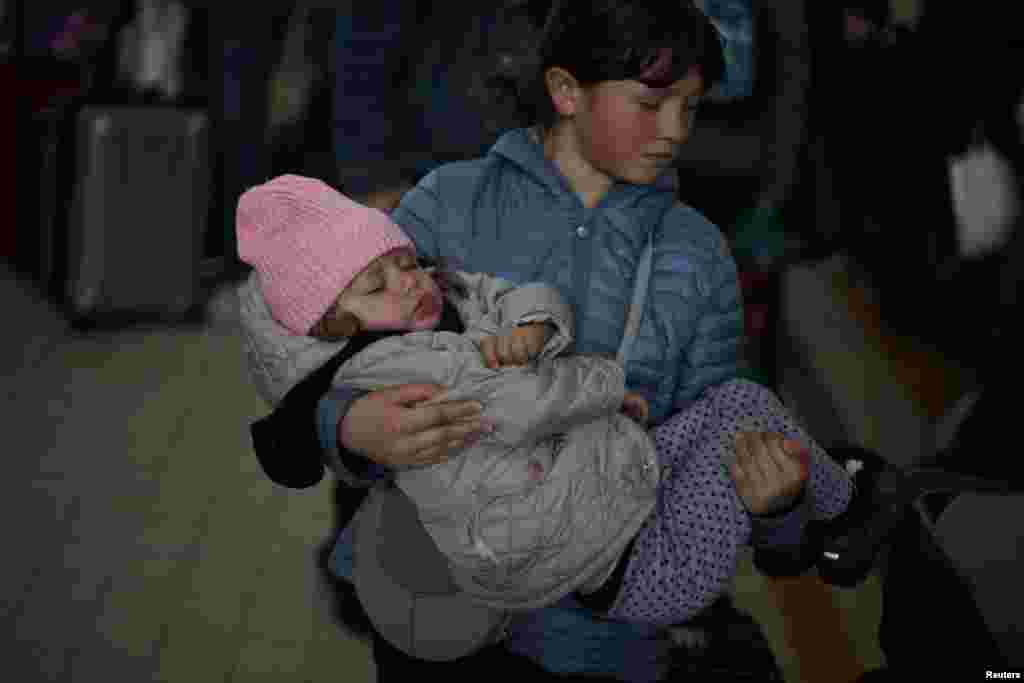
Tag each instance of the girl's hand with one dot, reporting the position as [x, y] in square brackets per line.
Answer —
[635, 406]
[518, 347]
[769, 471]
[391, 428]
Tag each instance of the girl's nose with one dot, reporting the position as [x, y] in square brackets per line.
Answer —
[675, 123]
[407, 282]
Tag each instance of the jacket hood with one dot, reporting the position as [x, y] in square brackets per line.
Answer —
[278, 359]
[523, 148]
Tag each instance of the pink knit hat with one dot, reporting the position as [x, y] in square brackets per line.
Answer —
[307, 242]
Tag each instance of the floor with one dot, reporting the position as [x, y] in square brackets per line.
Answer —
[144, 540]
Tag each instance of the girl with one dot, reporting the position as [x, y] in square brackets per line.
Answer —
[571, 201]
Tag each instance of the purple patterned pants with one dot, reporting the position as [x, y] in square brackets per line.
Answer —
[685, 555]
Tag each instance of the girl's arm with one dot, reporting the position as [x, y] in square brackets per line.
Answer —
[348, 466]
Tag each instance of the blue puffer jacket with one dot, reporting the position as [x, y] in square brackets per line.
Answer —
[513, 214]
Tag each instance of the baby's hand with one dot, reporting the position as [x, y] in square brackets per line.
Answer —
[518, 347]
[635, 406]
[769, 471]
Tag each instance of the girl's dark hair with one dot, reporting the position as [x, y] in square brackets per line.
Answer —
[603, 40]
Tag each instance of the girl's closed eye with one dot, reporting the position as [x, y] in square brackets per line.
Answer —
[653, 105]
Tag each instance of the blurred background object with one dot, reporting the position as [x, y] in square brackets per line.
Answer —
[150, 47]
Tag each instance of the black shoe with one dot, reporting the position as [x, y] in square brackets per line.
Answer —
[775, 563]
[848, 545]
[865, 467]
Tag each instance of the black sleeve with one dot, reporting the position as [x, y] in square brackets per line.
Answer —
[287, 441]
[287, 446]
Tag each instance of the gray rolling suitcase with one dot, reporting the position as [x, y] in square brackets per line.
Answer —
[136, 214]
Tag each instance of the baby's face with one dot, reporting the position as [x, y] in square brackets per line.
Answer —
[393, 293]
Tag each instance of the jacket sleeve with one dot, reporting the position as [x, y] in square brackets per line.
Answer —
[533, 403]
[714, 353]
[494, 305]
[526, 404]
[350, 467]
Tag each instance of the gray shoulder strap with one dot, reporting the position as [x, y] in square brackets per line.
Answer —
[636, 307]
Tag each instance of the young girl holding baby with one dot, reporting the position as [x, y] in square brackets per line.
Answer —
[570, 201]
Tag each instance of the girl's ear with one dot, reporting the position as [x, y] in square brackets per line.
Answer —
[348, 325]
[334, 327]
[563, 89]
